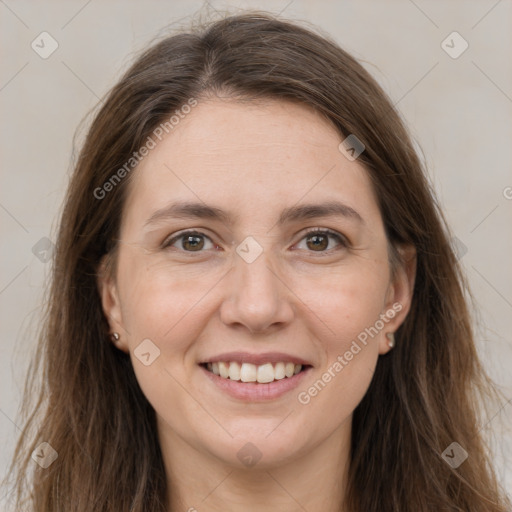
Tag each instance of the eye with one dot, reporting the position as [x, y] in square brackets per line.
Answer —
[190, 241]
[318, 240]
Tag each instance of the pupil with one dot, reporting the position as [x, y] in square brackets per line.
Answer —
[319, 245]
[195, 240]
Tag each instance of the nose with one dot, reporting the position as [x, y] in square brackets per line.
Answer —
[257, 296]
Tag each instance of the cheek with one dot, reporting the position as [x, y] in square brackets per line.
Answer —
[347, 299]
[162, 304]
[350, 307]
[157, 298]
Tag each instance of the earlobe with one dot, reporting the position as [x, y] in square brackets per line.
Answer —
[391, 339]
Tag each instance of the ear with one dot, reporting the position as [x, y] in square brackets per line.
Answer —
[110, 302]
[399, 294]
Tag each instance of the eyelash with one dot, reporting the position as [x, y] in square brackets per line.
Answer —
[315, 231]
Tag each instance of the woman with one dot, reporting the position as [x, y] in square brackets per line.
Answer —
[255, 305]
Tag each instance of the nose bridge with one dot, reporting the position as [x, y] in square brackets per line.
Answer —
[258, 298]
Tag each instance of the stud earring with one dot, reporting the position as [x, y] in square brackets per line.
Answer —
[391, 339]
[114, 337]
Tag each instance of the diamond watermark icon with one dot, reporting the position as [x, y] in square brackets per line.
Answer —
[454, 45]
[351, 147]
[455, 455]
[43, 249]
[249, 454]
[249, 249]
[146, 352]
[44, 455]
[44, 45]
[459, 248]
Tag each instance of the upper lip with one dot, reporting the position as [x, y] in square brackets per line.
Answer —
[257, 359]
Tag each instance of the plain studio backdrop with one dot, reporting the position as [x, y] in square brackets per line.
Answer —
[447, 66]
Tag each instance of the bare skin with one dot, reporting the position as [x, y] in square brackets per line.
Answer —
[303, 296]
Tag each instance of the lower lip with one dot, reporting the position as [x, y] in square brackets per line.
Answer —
[254, 391]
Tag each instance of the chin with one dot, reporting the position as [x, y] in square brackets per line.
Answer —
[257, 449]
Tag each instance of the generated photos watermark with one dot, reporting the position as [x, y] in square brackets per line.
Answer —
[304, 397]
[158, 133]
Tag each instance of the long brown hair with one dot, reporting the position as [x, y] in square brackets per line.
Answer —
[423, 397]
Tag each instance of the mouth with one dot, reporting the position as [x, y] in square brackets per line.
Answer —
[252, 373]
[255, 377]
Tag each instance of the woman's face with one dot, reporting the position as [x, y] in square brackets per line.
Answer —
[252, 289]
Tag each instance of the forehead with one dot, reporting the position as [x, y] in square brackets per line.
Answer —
[249, 157]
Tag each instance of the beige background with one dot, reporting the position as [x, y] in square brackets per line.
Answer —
[459, 111]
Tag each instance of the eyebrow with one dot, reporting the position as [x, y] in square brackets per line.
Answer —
[194, 210]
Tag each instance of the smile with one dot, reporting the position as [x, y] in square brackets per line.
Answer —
[255, 382]
[248, 372]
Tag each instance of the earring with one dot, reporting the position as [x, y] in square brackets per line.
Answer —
[391, 339]
[114, 337]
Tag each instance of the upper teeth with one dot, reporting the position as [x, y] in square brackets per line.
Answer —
[247, 372]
